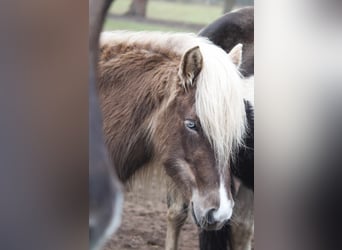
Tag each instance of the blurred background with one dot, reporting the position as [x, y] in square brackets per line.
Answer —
[168, 15]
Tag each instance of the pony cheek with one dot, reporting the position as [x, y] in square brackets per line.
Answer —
[182, 176]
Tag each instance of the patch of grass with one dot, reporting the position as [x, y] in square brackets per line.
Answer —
[174, 11]
[135, 26]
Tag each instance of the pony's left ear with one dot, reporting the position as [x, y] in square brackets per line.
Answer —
[236, 54]
[191, 65]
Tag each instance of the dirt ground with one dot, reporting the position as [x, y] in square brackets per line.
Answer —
[143, 224]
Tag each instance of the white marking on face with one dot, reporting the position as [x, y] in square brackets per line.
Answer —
[225, 210]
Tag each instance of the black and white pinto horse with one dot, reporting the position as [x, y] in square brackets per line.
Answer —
[105, 196]
[233, 28]
[227, 31]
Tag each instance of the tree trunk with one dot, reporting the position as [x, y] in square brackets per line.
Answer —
[228, 5]
[137, 8]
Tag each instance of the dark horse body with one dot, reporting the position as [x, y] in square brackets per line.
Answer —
[105, 197]
[232, 28]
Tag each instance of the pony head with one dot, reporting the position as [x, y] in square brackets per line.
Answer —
[180, 103]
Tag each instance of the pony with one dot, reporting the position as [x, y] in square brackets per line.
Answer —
[105, 195]
[173, 103]
[237, 27]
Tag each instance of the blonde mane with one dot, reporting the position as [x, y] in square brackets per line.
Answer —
[219, 101]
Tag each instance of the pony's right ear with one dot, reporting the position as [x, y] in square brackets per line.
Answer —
[190, 66]
[236, 54]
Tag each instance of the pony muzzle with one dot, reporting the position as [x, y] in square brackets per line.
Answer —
[212, 216]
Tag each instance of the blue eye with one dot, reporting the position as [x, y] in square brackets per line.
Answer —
[190, 124]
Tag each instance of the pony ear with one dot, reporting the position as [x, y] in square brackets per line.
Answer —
[191, 65]
[236, 54]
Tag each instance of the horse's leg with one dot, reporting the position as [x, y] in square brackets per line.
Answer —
[176, 217]
[242, 227]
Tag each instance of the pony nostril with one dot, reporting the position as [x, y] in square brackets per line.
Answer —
[210, 216]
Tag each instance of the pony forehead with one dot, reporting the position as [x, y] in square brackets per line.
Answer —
[219, 102]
